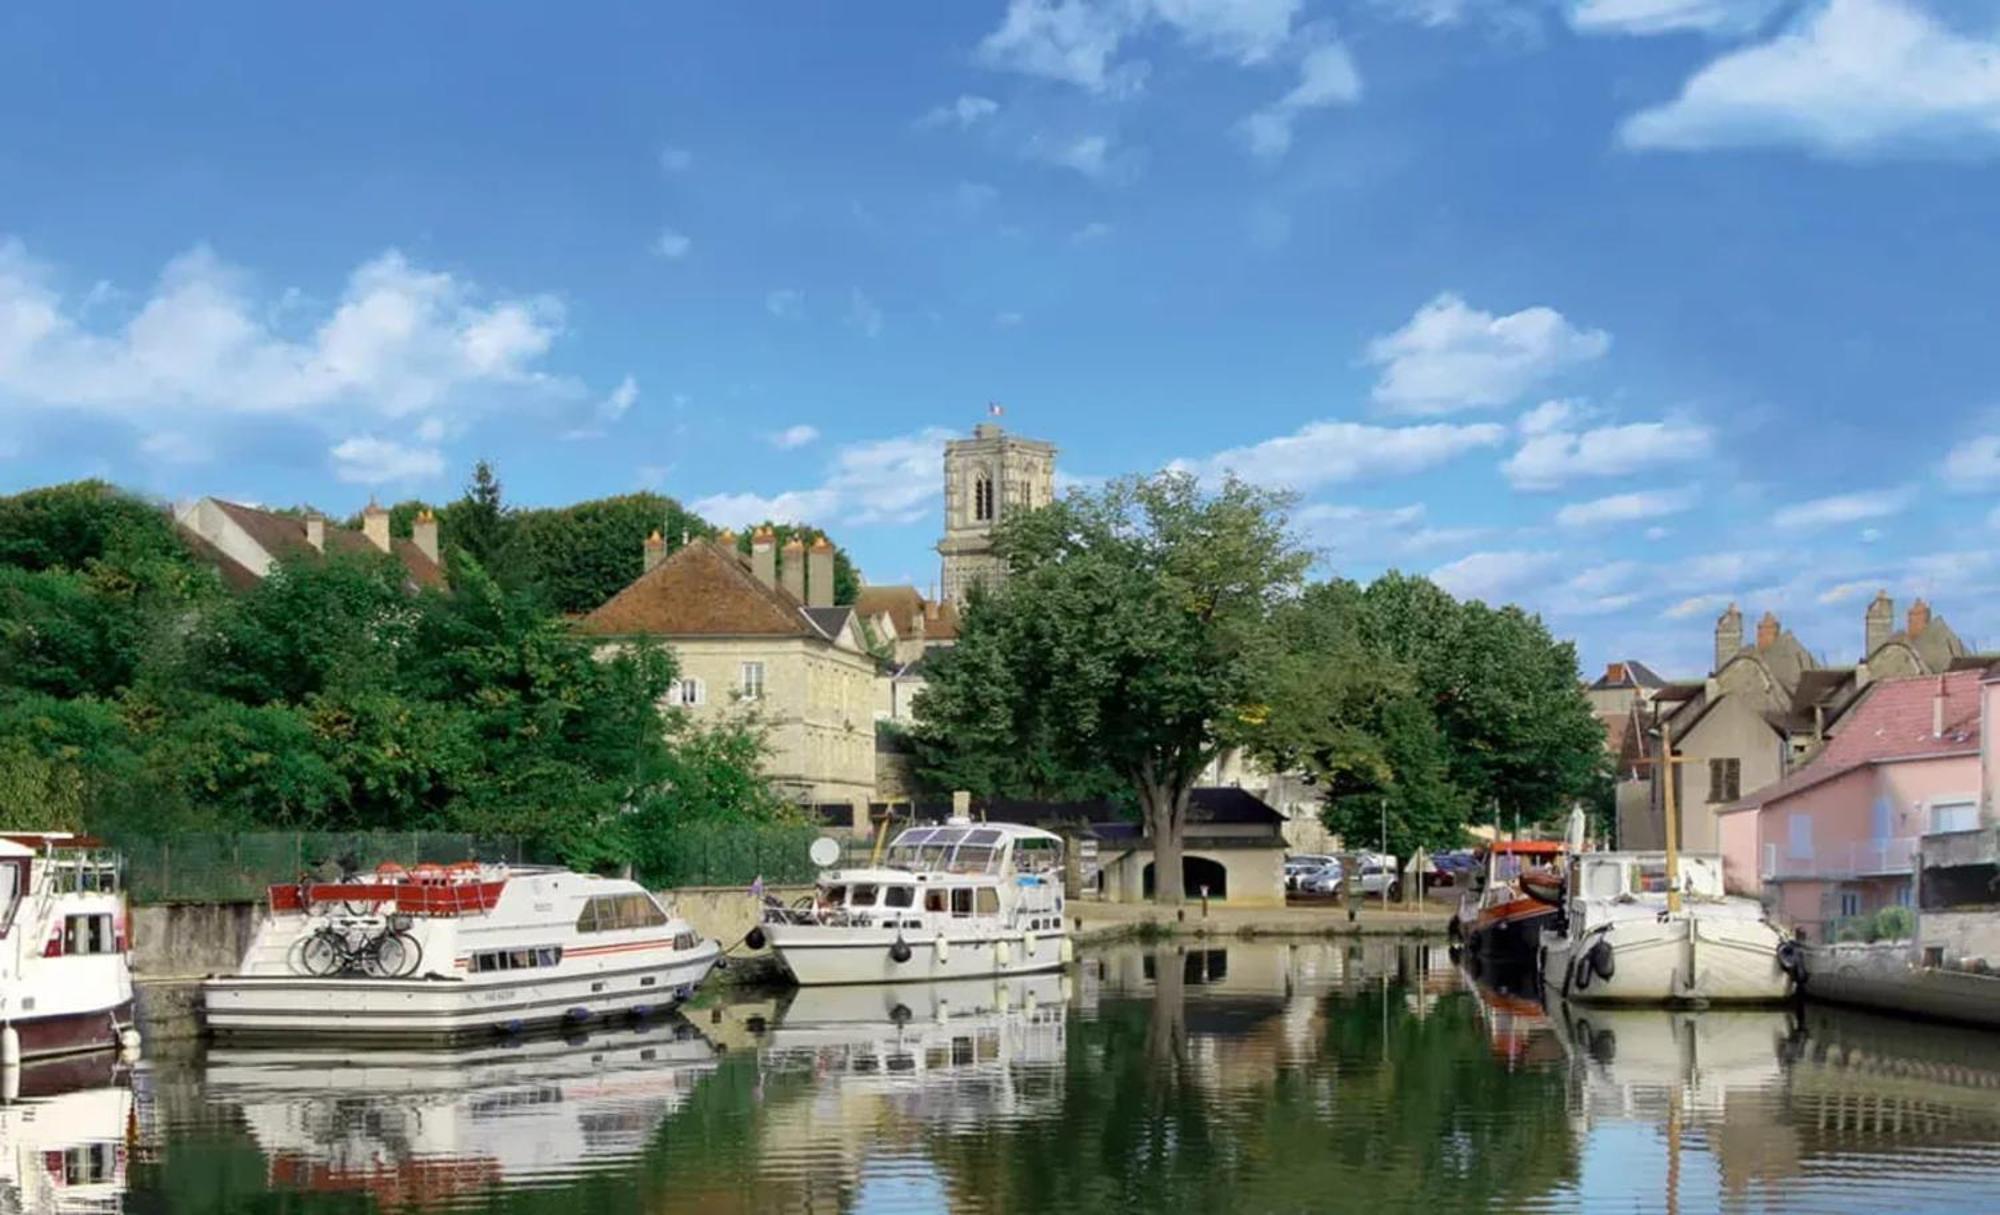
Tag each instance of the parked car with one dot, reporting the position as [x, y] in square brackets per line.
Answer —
[1326, 879]
[1297, 867]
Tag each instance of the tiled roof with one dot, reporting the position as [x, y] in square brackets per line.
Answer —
[942, 625]
[284, 536]
[829, 620]
[1894, 720]
[901, 604]
[1627, 673]
[702, 590]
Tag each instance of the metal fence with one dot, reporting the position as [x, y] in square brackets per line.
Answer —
[734, 854]
[231, 868]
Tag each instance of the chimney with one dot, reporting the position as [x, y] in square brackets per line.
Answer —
[1728, 635]
[375, 525]
[819, 573]
[1920, 619]
[1878, 623]
[425, 533]
[764, 556]
[793, 568]
[1614, 672]
[1937, 707]
[316, 532]
[1767, 631]
[655, 552]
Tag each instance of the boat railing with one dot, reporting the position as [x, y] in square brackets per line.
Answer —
[427, 891]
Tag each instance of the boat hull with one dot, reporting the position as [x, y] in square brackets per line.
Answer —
[1510, 935]
[822, 956]
[1881, 977]
[1670, 960]
[439, 1010]
[72, 1033]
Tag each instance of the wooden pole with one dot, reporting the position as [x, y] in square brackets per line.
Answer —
[1673, 824]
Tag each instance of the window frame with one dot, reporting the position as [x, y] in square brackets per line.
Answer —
[1725, 778]
[688, 692]
[746, 687]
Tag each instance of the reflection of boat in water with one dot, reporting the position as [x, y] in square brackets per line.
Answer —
[68, 1139]
[1634, 1056]
[416, 1127]
[1517, 1026]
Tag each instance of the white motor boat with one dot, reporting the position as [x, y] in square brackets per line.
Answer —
[436, 953]
[957, 901]
[69, 1149]
[1623, 940]
[65, 981]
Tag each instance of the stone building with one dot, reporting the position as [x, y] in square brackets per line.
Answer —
[1621, 699]
[985, 478]
[244, 542]
[747, 643]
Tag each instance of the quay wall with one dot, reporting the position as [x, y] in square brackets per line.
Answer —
[191, 940]
[726, 913]
[1962, 934]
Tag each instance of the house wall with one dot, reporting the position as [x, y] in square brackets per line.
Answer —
[1734, 728]
[207, 520]
[1740, 839]
[1256, 876]
[1989, 752]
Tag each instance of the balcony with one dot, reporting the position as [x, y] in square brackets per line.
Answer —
[1951, 849]
[1841, 862]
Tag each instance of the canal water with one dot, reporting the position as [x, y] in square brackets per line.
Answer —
[1253, 1077]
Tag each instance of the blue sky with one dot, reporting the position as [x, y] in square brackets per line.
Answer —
[1617, 308]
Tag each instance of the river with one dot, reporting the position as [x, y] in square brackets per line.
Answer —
[1253, 1077]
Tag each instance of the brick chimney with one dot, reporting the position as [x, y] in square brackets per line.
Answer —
[375, 525]
[819, 573]
[1920, 619]
[1767, 631]
[424, 532]
[655, 552]
[764, 556]
[1878, 622]
[1728, 635]
[1937, 707]
[1614, 672]
[316, 532]
[793, 568]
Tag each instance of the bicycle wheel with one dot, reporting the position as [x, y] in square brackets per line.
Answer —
[392, 955]
[322, 954]
[413, 954]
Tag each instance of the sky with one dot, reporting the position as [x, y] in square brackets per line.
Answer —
[1618, 309]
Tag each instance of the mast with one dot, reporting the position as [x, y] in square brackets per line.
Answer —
[1673, 824]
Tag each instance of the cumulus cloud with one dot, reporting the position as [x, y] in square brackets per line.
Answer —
[1844, 508]
[1451, 357]
[615, 405]
[367, 460]
[1667, 16]
[792, 437]
[1384, 532]
[400, 341]
[1077, 41]
[1327, 77]
[1554, 458]
[1847, 78]
[1975, 463]
[1322, 453]
[1493, 576]
[1626, 508]
[1090, 155]
[1550, 416]
[1696, 605]
[964, 112]
[891, 480]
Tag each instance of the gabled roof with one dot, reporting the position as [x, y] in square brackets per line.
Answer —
[829, 620]
[284, 536]
[702, 590]
[1894, 721]
[903, 605]
[1627, 673]
[917, 668]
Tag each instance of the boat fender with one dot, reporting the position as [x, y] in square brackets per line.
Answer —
[1792, 960]
[10, 1047]
[1027, 943]
[754, 938]
[1068, 951]
[1601, 961]
[128, 1040]
[1580, 973]
[577, 1016]
[1003, 952]
[943, 950]
[900, 1015]
[899, 953]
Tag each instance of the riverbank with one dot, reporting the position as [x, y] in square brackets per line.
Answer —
[1102, 923]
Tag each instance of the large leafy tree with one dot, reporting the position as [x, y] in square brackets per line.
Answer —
[1134, 633]
[579, 556]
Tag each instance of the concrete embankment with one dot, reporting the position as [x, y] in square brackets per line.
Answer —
[1099, 923]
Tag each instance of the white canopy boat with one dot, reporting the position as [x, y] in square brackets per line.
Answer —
[436, 953]
[65, 981]
[957, 901]
[1631, 934]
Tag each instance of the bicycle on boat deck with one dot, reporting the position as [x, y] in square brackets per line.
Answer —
[373, 946]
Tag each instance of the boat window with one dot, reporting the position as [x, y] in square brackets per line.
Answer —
[862, 896]
[897, 896]
[537, 958]
[614, 912]
[833, 896]
[961, 900]
[914, 836]
[984, 835]
[972, 858]
[933, 856]
[989, 901]
[933, 900]
[13, 878]
[87, 934]
[1649, 877]
[1037, 856]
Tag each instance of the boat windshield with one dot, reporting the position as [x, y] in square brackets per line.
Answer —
[948, 850]
[13, 880]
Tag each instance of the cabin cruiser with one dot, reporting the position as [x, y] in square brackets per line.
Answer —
[1641, 928]
[1515, 896]
[954, 901]
[437, 953]
[65, 978]
[68, 1140]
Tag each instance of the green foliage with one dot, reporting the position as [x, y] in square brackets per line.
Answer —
[41, 794]
[68, 527]
[846, 579]
[579, 556]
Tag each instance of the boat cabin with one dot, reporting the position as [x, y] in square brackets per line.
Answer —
[1506, 859]
[953, 872]
[1631, 876]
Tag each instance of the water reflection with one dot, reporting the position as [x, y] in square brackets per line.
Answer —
[1218, 1077]
[69, 1131]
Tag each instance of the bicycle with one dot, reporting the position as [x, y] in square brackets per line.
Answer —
[347, 947]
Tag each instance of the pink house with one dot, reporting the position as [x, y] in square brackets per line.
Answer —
[1837, 837]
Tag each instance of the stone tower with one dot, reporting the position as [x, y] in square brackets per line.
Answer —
[1728, 636]
[1879, 623]
[986, 477]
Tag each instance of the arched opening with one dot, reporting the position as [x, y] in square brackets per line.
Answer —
[1196, 872]
[982, 498]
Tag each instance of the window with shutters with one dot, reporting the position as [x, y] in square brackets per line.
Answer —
[751, 680]
[1725, 780]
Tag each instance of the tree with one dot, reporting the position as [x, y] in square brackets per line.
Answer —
[846, 579]
[579, 556]
[1133, 633]
[479, 523]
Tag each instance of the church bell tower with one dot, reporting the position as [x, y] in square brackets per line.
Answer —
[986, 478]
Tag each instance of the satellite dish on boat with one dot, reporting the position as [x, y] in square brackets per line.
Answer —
[824, 851]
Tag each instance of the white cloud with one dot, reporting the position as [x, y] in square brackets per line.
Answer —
[1554, 458]
[172, 447]
[1695, 605]
[1845, 591]
[614, 406]
[1844, 508]
[1550, 416]
[1358, 531]
[1975, 463]
[964, 112]
[1089, 155]
[400, 341]
[1847, 78]
[1666, 16]
[1077, 41]
[785, 302]
[1451, 357]
[366, 460]
[1605, 578]
[675, 160]
[863, 314]
[1321, 453]
[1626, 508]
[1090, 233]
[1726, 569]
[1658, 533]
[672, 245]
[1327, 76]
[891, 480]
[1495, 575]
[792, 437]
[1427, 12]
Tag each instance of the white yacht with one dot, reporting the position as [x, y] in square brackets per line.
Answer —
[437, 953]
[956, 901]
[1623, 940]
[69, 1150]
[65, 981]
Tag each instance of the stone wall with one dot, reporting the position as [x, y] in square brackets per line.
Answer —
[1962, 934]
[725, 913]
[192, 940]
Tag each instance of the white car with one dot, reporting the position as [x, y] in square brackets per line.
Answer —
[1375, 873]
[1324, 880]
[1298, 867]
